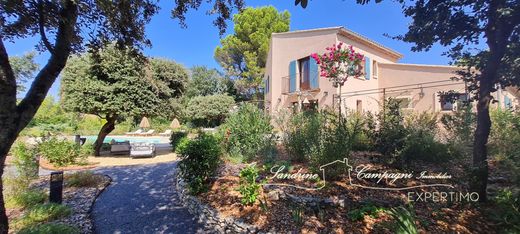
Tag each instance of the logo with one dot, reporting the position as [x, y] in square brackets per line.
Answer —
[367, 177]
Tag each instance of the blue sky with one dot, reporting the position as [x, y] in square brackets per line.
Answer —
[195, 44]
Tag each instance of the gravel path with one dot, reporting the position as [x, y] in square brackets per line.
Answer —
[142, 199]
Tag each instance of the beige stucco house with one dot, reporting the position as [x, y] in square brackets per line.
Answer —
[292, 78]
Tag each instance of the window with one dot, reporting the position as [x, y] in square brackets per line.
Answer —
[374, 69]
[449, 100]
[304, 70]
[359, 106]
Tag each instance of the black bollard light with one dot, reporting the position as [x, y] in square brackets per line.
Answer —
[56, 189]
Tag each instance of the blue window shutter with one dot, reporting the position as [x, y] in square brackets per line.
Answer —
[267, 84]
[367, 68]
[292, 76]
[507, 102]
[313, 73]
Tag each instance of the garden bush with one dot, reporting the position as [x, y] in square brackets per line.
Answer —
[391, 133]
[504, 142]
[321, 138]
[302, 134]
[50, 228]
[246, 133]
[209, 111]
[25, 160]
[176, 138]
[59, 152]
[459, 127]
[46, 212]
[249, 188]
[82, 179]
[26, 198]
[200, 158]
[506, 211]
[404, 220]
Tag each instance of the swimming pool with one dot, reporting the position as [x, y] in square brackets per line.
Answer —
[108, 139]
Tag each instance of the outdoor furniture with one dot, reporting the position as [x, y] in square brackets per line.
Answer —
[119, 147]
[148, 133]
[139, 131]
[166, 133]
[142, 149]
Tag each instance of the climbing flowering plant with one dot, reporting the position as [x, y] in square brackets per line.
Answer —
[339, 63]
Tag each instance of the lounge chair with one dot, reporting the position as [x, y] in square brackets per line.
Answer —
[149, 133]
[166, 133]
[139, 131]
[142, 149]
[120, 147]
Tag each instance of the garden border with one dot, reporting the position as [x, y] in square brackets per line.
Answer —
[210, 217]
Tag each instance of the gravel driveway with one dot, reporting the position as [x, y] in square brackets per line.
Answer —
[142, 199]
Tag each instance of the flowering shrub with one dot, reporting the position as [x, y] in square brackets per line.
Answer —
[338, 63]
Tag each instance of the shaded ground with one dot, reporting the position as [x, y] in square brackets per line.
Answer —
[142, 199]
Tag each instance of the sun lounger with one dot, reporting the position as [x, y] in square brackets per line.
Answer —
[148, 133]
[142, 149]
[120, 147]
[166, 133]
[139, 131]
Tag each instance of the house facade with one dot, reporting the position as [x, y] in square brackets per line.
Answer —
[292, 78]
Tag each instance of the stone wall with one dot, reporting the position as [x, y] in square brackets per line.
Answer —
[210, 217]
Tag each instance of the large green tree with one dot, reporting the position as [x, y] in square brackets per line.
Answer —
[463, 25]
[169, 83]
[65, 27]
[116, 84]
[24, 68]
[243, 54]
[204, 81]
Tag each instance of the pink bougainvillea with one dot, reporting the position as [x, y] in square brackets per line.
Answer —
[339, 63]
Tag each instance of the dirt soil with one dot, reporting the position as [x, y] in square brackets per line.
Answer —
[286, 215]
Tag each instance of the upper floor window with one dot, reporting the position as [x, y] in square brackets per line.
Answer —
[304, 73]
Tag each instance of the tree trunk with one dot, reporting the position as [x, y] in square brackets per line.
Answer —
[479, 178]
[107, 128]
[14, 118]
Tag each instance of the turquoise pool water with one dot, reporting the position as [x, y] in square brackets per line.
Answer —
[108, 139]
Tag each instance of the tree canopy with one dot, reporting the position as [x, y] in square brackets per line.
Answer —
[24, 68]
[243, 54]
[115, 84]
[204, 82]
[65, 27]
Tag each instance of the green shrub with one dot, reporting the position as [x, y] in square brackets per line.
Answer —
[26, 198]
[25, 160]
[209, 111]
[404, 219]
[368, 209]
[506, 211]
[83, 179]
[460, 126]
[391, 135]
[302, 134]
[87, 149]
[200, 158]
[45, 213]
[249, 188]
[422, 146]
[50, 228]
[59, 152]
[183, 143]
[247, 132]
[504, 140]
[176, 137]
